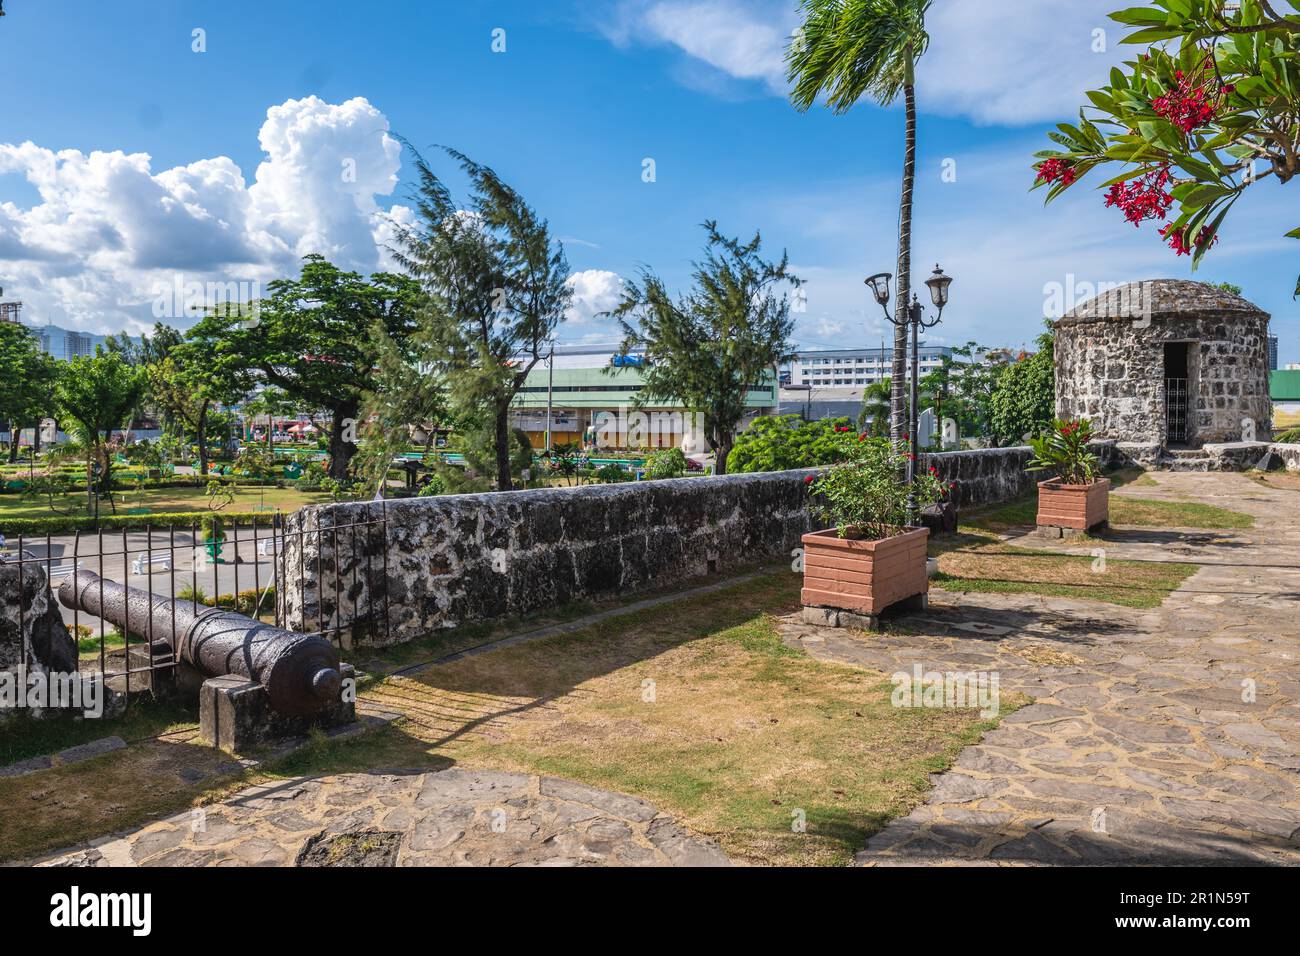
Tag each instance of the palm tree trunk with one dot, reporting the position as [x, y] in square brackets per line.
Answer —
[903, 280]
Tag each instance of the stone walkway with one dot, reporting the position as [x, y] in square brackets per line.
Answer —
[442, 818]
[1169, 736]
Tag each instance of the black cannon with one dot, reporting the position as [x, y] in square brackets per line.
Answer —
[299, 671]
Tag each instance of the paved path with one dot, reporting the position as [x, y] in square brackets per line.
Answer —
[409, 818]
[1145, 743]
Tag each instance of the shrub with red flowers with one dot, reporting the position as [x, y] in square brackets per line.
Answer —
[863, 498]
[1209, 108]
[1063, 450]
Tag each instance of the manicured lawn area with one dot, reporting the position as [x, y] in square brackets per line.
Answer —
[162, 501]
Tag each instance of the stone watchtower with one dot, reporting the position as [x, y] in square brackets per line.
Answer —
[1167, 363]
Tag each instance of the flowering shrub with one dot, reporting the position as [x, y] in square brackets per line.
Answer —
[1143, 198]
[1063, 450]
[1211, 107]
[1189, 104]
[863, 497]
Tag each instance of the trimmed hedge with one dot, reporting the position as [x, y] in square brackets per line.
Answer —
[59, 524]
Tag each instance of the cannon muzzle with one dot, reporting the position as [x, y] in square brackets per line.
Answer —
[299, 671]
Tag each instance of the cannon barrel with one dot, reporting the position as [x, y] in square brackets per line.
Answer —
[299, 671]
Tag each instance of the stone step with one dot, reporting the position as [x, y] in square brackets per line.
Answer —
[1181, 463]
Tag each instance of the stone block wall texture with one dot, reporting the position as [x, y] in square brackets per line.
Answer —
[1110, 361]
[458, 559]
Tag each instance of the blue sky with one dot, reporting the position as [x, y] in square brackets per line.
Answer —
[196, 183]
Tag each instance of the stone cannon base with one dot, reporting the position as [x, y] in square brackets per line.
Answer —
[235, 714]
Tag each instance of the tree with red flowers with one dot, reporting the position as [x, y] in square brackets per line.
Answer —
[1211, 107]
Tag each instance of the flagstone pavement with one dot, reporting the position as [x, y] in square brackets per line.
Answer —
[1169, 736]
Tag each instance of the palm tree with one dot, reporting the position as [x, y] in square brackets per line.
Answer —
[848, 49]
[874, 416]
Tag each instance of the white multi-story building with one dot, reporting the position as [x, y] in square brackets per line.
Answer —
[854, 368]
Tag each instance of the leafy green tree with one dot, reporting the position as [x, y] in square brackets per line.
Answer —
[780, 443]
[314, 338]
[27, 379]
[190, 388]
[1024, 399]
[848, 49]
[270, 403]
[665, 463]
[711, 346]
[962, 387]
[98, 394]
[874, 417]
[1209, 108]
[495, 289]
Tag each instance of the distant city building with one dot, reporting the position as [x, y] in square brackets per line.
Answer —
[592, 392]
[1272, 353]
[9, 311]
[849, 368]
[65, 344]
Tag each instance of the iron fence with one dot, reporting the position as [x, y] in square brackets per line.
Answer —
[256, 568]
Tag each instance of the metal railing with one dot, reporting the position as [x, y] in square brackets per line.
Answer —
[255, 568]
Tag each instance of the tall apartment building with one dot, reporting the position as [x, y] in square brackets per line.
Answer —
[1272, 353]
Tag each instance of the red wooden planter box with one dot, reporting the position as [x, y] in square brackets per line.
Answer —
[864, 577]
[1073, 506]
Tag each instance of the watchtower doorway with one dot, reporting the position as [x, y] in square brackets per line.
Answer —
[1178, 428]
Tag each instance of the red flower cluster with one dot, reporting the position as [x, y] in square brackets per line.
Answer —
[1050, 170]
[1143, 198]
[808, 479]
[843, 428]
[1178, 240]
[1188, 105]
[1069, 428]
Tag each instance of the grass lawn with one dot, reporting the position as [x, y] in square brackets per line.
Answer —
[162, 501]
[696, 706]
[978, 561]
[701, 709]
[1124, 510]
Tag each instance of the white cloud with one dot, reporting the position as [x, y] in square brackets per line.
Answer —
[594, 291]
[107, 231]
[1011, 63]
[1017, 63]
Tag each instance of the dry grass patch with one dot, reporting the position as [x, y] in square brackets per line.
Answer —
[1125, 511]
[981, 562]
[1276, 479]
[702, 710]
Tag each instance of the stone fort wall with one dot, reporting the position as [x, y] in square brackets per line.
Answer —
[458, 559]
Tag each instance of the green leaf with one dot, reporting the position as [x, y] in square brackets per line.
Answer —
[1151, 35]
[1136, 16]
[1293, 234]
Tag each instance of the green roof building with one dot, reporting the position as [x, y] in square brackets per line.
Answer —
[593, 405]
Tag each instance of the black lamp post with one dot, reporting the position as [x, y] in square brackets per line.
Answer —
[938, 284]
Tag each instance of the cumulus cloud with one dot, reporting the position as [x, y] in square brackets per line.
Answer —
[1011, 63]
[594, 291]
[108, 232]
